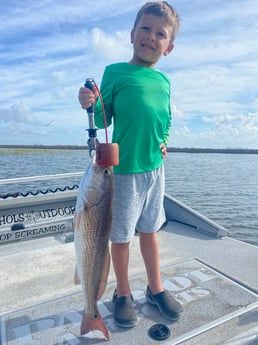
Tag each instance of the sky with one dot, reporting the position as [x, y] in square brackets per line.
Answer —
[49, 47]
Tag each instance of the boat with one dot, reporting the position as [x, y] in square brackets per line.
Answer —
[214, 276]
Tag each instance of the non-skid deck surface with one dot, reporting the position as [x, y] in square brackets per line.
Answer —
[209, 299]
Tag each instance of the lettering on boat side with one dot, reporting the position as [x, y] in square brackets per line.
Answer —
[24, 233]
[63, 328]
[36, 215]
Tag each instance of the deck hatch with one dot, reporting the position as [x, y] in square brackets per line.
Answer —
[209, 299]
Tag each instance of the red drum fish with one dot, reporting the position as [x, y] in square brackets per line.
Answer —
[93, 218]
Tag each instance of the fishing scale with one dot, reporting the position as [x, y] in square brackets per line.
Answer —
[106, 154]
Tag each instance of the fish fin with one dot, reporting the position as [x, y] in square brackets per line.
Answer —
[97, 324]
[104, 277]
[77, 279]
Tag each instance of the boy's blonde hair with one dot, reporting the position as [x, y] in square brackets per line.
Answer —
[161, 9]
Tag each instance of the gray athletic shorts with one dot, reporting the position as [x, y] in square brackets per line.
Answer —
[137, 204]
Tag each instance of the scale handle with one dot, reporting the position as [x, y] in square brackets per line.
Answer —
[90, 84]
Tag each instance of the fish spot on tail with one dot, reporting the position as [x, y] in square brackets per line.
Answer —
[96, 324]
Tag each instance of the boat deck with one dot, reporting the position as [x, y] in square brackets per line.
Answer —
[215, 279]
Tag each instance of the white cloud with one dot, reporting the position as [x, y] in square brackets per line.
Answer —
[18, 113]
[114, 47]
[51, 14]
[227, 131]
[49, 48]
[58, 76]
[241, 124]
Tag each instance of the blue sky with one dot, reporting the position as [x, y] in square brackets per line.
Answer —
[49, 47]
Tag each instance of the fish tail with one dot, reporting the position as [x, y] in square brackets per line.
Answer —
[88, 325]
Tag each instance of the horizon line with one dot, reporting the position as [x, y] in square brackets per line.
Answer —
[169, 149]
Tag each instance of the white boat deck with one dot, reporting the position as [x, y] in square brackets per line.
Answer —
[215, 279]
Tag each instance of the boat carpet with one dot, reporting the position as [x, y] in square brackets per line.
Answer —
[210, 299]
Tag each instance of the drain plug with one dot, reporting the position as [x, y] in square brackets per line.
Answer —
[159, 332]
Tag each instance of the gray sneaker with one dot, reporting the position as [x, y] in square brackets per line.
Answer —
[167, 305]
[124, 313]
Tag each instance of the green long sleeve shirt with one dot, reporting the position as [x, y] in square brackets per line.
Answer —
[137, 101]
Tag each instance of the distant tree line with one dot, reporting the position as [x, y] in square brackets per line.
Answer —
[170, 149]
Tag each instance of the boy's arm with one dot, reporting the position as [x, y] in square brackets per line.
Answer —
[168, 127]
[163, 150]
[163, 146]
[167, 133]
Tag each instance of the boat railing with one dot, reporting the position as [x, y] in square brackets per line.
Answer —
[39, 178]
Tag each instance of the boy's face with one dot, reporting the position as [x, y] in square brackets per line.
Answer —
[151, 40]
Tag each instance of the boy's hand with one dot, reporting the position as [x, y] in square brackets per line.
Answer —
[86, 97]
[163, 150]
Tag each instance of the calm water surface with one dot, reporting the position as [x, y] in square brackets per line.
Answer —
[224, 187]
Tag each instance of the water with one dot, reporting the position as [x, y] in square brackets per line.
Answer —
[224, 187]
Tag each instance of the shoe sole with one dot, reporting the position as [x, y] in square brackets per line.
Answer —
[125, 325]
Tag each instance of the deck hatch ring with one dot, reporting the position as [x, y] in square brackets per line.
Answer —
[159, 332]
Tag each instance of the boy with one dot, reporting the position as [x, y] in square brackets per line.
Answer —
[137, 97]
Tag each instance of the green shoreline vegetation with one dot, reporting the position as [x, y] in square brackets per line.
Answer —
[37, 149]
